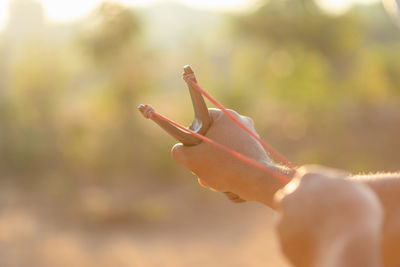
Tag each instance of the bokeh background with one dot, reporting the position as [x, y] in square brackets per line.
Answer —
[86, 181]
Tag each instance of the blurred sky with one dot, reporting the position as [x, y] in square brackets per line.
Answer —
[66, 10]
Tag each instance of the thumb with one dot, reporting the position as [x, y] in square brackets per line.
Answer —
[178, 153]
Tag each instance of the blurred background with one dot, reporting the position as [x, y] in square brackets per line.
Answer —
[86, 181]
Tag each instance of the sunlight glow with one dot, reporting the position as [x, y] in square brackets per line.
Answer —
[67, 10]
[339, 6]
[234, 5]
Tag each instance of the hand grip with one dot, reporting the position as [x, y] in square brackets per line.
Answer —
[202, 120]
[200, 124]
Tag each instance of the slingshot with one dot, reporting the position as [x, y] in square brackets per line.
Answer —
[202, 121]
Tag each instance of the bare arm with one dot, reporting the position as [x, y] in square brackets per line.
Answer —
[326, 220]
[224, 173]
[387, 187]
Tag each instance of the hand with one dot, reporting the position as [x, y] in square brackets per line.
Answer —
[216, 168]
[327, 220]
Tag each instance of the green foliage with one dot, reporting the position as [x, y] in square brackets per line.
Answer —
[328, 70]
[112, 28]
[312, 82]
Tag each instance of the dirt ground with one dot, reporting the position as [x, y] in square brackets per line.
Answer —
[193, 227]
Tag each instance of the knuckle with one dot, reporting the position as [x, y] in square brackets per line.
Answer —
[233, 112]
[215, 113]
[250, 120]
[247, 120]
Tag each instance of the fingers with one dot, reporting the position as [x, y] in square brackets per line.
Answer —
[217, 114]
[215, 167]
[185, 155]
[180, 155]
[192, 157]
[177, 153]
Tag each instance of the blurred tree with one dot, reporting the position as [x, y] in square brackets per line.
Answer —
[290, 24]
[319, 68]
[122, 61]
[113, 26]
[71, 106]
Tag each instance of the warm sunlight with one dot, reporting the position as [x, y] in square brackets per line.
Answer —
[61, 10]
[86, 181]
[340, 6]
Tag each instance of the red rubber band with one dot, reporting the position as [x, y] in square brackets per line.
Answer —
[235, 154]
[241, 125]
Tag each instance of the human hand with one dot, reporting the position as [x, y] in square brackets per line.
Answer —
[327, 220]
[217, 169]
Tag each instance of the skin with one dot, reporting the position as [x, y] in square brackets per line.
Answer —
[318, 228]
[340, 219]
[208, 162]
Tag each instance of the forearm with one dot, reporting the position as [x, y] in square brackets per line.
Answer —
[352, 238]
[387, 187]
[262, 188]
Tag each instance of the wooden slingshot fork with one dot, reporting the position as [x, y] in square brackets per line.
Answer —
[201, 123]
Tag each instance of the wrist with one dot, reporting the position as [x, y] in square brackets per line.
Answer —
[262, 187]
